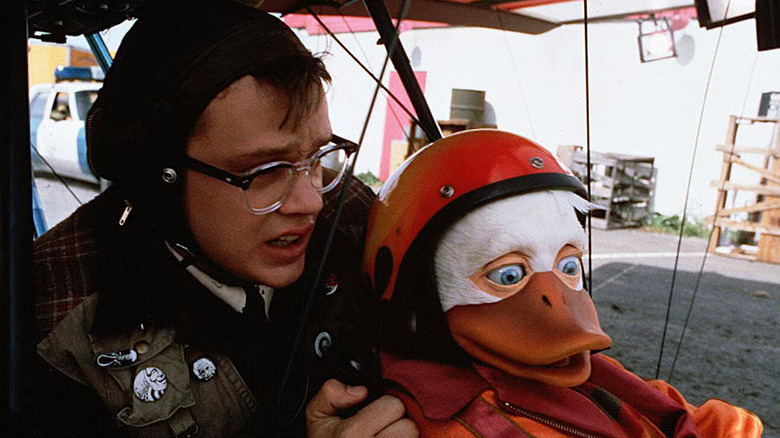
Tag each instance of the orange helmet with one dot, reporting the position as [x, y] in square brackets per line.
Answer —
[429, 192]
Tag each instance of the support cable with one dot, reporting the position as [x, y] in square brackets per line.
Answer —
[57, 175]
[332, 231]
[368, 63]
[362, 66]
[587, 147]
[517, 80]
[685, 206]
[388, 34]
[709, 239]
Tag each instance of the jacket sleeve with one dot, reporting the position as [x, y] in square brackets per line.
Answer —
[63, 408]
[715, 418]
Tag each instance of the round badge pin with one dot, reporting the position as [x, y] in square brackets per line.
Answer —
[150, 384]
[204, 369]
[322, 343]
[331, 284]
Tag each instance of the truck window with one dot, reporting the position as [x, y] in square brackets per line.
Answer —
[60, 110]
[84, 101]
[38, 105]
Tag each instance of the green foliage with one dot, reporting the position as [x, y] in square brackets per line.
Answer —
[742, 237]
[369, 179]
[671, 224]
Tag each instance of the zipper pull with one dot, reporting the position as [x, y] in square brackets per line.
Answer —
[126, 213]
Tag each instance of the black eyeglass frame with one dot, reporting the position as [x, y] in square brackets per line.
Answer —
[244, 181]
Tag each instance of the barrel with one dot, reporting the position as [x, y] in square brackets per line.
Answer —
[469, 105]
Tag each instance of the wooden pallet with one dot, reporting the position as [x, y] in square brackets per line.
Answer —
[764, 214]
[624, 185]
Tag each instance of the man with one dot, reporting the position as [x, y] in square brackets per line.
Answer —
[170, 305]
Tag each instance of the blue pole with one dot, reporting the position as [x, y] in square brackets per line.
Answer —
[99, 49]
[37, 211]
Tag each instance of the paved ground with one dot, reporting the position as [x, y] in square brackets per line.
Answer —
[730, 349]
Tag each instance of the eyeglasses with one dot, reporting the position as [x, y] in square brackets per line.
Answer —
[265, 187]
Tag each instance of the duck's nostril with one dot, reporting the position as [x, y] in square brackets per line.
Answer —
[546, 300]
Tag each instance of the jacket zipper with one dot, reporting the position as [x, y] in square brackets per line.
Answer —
[126, 213]
[548, 421]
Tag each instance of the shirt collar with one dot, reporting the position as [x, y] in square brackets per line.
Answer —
[233, 296]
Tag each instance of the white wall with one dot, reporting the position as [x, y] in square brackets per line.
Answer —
[537, 86]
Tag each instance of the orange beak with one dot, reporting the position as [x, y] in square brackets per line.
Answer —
[543, 332]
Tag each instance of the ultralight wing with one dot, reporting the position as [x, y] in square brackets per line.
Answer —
[52, 20]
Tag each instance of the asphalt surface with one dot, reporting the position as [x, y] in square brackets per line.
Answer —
[730, 349]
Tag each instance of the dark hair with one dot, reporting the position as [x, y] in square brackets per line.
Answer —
[175, 59]
[302, 82]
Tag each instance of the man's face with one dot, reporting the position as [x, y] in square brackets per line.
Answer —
[238, 131]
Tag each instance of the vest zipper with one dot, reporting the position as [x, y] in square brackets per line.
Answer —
[548, 421]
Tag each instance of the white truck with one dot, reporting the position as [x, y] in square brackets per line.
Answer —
[57, 114]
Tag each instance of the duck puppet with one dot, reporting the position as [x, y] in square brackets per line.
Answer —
[475, 248]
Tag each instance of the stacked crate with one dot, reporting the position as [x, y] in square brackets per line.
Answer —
[624, 185]
[759, 219]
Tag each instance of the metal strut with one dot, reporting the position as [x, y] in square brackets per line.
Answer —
[100, 51]
[384, 26]
[16, 220]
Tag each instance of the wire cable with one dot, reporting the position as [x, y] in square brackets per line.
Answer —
[527, 110]
[367, 62]
[587, 147]
[363, 67]
[685, 204]
[709, 239]
[54, 172]
[332, 231]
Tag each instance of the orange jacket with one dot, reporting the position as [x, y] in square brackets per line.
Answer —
[446, 401]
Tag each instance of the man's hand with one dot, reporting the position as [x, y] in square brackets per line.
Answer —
[384, 418]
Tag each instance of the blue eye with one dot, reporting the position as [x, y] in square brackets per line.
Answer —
[507, 275]
[569, 265]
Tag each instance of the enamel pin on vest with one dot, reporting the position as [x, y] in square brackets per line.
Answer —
[150, 384]
[204, 369]
[331, 284]
[117, 358]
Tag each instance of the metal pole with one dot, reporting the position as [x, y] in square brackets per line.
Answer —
[100, 51]
[37, 211]
[384, 25]
[16, 221]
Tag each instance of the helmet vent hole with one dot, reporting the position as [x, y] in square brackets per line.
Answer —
[447, 191]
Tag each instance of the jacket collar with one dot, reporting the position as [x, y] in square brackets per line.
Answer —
[443, 390]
